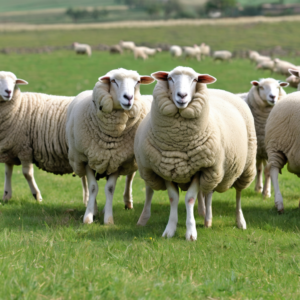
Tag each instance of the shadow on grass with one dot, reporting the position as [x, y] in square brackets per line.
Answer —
[29, 216]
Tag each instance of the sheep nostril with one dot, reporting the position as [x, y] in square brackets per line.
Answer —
[127, 97]
[181, 95]
[8, 92]
[272, 97]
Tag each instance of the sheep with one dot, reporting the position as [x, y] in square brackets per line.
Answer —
[82, 49]
[32, 130]
[266, 65]
[192, 52]
[282, 67]
[294, 79]
[115, 49]
[261, 59]
[253, 55]
[187, 141]
[151, 51]
[205, 50]
[101, 126]
[127, 45]
[261, 99]
[175, 51]
[282, 141]
[223, 55]
[139, 52]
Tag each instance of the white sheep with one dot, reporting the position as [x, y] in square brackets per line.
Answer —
[261, 99]
[266, 65]
[101, 126]
[294, 79]
[151, 51]
[205, 50]
[139, 52]
[32, 130]
[82, 49]
[283, 141]
[187, 142]
[192, 52]
[253, 55]
[261, 59]
[222, 55]
[282, 67]
[175, 51]
[127, 45]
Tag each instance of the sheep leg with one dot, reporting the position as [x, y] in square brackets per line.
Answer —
[208, 215]
[267, 185]
[109, 193]
[240, 220]
[278, 197]
[127, 196]
[173, 219]
[93, 191]
[259, 177]
[85, 190]
[28, 172]
[190, 198]
[201, 204]
[7, 184]
[146, 213]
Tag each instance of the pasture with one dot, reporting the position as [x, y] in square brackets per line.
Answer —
[47, 253]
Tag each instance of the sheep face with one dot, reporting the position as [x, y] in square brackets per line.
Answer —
[8, 81]
[125, 87]
[182, 84]
[269, 90]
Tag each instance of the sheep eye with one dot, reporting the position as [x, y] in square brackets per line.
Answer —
[113, 81]
[170, 79]
[261, 87]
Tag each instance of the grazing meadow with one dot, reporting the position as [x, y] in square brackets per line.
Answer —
[46, 252]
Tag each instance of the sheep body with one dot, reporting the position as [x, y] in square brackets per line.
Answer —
[139, 52]
[82, 49]
[175, 51]
[192, 52]
[223, 55]
[205, 50]
[266, 65]
[127, 45]
[282, 67]
[282, 141]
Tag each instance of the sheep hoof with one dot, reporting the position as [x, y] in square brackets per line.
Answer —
[109, 221]
[281, 211]
[6, 196]
[266, 195]
[191, 234]
[258, 190]
[169, 231]
[128, 205]
[241, 223]
[88, 218]
[208, 223]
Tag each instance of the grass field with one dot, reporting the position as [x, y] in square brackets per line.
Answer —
[47, 253]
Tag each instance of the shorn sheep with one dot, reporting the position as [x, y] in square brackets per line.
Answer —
[139, 52]
[261, 99]
[175, 51]
[32, 130]
[82, 49]
[283, 141]
[294, 79]
[192, 52]
[127, 45]
[187, 142]
[222, 55]
[205, 50]
[101, 126]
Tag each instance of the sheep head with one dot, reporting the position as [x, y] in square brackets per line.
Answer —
[8, 83]
[269, 89]
[124, 86]
[182, 84]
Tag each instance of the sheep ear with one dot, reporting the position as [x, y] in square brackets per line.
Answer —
[160, 75]
[255, 83]
[294, 72]
[146, 79]
[205, 78]
[105, 79]
[21, 81]
[284, 84]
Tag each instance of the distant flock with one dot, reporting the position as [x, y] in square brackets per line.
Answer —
[185, 136]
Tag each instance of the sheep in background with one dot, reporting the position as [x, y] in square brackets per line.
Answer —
[82, 49]
[101, 126]
[266, 65]
[187, 142]
[192, 52]
[151, 51]
[282, 67]
[175, 51]
[222, 55]
[139, 52]
[294, 79]
[127, 45]
[115, 49]
[262, 97]
[205, 50]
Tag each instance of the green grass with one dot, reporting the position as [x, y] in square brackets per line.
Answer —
[232, 37]
[47, 253]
